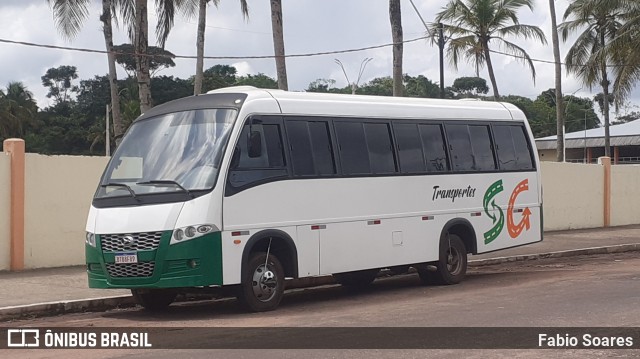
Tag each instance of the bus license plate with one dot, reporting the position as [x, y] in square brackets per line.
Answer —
[124, 258]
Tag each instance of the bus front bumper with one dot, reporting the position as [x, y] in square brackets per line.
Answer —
[192, 263]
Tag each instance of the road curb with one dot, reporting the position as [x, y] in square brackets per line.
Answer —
[65, 307]
[123, 301]
[568, 253]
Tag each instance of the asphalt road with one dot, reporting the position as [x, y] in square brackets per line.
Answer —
[586, 291]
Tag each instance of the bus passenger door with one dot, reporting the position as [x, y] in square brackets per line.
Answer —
[308, 247]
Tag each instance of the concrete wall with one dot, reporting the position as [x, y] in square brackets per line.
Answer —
[58, 193]
[5, 194]
[572, 196]
[547, 155]
[625, 195]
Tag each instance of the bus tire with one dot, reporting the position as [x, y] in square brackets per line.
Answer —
[154, 300]
[357, 279]
[261, 290]
[451, 266]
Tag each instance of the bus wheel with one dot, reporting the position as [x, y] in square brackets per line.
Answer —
[154, 299]
[262, 287]
[452, 265]
[356, 279]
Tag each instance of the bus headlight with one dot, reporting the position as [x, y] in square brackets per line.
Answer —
[190, 232]
[90, 239]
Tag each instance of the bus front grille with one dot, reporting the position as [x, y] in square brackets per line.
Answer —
[128, 270]
[130, 242]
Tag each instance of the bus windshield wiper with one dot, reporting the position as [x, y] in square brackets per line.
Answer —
[166, 182]
[122, 185]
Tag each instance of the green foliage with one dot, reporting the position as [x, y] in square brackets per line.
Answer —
[379, 86]
[59, 81]
[541, 112]
[470, 86]
[17, 110]
[420, 86]
[167, 88]
[159, 58]
[260, 81]
[321, 85]
[218, 76]
[628, 117]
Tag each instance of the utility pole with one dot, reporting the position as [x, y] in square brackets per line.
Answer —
[441, 47]
[441, 42]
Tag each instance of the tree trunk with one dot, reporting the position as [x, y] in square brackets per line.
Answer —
[142, 61]
[396, 34]
[605, 92]
[202, 23]
[118, 128]
[558, 70]
[278, 43]
[492, 76]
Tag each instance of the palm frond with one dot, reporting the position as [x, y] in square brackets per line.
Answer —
[69, 15]
[520, 54]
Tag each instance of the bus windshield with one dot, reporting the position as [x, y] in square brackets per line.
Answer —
[175, 152]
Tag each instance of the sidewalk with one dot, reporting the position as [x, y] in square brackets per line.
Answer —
[59, 290]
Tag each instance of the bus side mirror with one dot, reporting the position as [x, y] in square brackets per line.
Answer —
[254, 144]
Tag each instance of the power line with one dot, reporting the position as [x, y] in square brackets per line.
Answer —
[68, 48]
[246, 57]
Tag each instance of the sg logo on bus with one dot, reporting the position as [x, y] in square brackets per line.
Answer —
[497, 216]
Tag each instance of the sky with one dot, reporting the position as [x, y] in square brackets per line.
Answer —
[309, 26]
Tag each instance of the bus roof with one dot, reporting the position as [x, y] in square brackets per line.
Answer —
[310, 103]
[329, 104]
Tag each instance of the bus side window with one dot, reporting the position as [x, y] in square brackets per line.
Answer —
[353, 148]
[269, 164]
[460, 147]
[523, 153]
[513, 148]
[506, 151]
[482, 149]
[433, 146]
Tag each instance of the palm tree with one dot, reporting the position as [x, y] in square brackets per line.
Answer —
[598, 23]
[278, 43]
[69, 17]
[70, 14]
[558, 77]
[17, 107]
[475, 24]
[190, 10]
[627, 53]
[396, 33]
